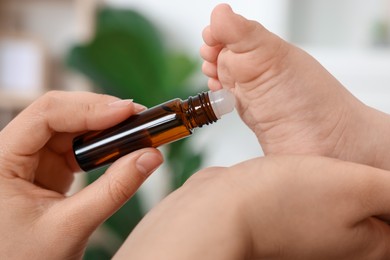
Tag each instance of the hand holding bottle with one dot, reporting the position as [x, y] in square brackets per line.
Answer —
[161, 124]
[36, 169]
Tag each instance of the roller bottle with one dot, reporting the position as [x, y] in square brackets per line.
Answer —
[153, 127]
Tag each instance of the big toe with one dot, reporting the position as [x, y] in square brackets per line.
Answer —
[235, 31]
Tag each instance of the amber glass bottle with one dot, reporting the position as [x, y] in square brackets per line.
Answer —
[156, 126]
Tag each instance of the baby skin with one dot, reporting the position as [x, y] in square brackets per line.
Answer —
[290, 101]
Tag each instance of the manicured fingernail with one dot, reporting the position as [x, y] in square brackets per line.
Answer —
[139, 108]
[148, 162]
[121, 103]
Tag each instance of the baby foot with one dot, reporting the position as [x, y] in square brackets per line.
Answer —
[285, 96]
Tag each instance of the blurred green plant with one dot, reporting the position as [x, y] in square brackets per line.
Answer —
[381, 33]
[127, 58]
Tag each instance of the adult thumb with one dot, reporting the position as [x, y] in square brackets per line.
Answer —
[90, 207]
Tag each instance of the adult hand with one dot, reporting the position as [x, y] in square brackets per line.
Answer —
[271, 208]
[36, 169]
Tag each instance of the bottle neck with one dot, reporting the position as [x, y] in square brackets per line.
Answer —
[198, 110]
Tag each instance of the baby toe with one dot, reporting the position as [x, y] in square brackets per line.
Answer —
[214, 84]
[210, 54]
[235, 31]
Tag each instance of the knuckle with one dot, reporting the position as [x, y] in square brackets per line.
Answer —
[367, 188]
[375, 244]
[52, 95]
[87, 108]
[47, 101]
[119, 191]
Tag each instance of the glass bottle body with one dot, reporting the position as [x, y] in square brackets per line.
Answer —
[156, 126]
[151, 128]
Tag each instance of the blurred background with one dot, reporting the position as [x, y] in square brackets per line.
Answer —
[148, 50]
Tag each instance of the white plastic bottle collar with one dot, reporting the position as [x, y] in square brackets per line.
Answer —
[222, 102]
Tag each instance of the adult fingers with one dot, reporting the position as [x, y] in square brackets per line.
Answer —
[62, 112]
[374, 237]
[361, 191]
[91, 206]
[371, 191]
[356, 191]
[54, 172]
[355, 196]
[325, 196]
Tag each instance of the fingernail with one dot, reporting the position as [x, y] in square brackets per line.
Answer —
[148, 162]
[121, 103]
[139, 108]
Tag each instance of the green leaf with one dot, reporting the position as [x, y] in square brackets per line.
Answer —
[180, 67]
[125, 219]
[126, 57]
[183, 161]
[96, 253]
